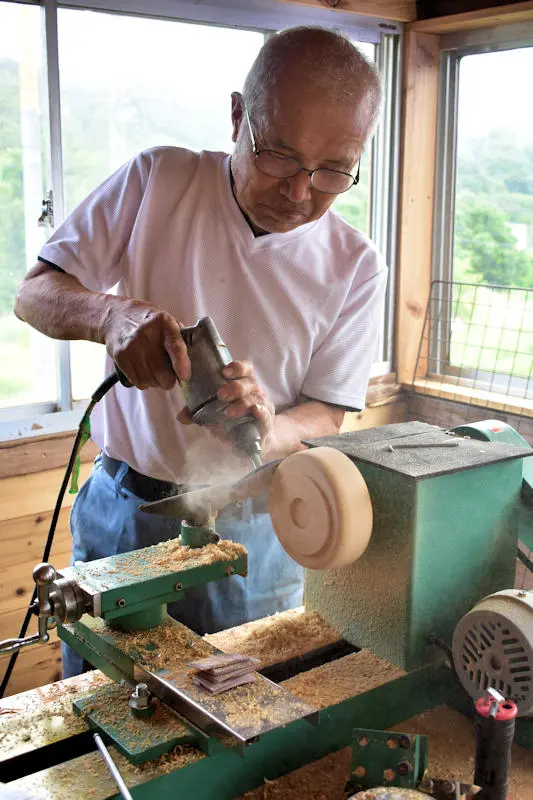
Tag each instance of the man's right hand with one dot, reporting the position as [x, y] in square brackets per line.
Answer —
[146, 344]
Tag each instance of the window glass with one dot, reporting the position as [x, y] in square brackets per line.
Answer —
[153, 83]
[354, 205]
[493, 233]
[28, 373]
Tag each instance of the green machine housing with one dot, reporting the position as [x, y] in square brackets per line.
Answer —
[444, 536]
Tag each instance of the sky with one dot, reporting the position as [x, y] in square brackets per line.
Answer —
[495, 92]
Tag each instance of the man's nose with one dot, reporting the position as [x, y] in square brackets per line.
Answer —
[297, 188]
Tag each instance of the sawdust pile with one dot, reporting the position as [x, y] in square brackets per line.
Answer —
[452, 749]
[169, 646]
[168, 554]
[324, 779]
[277, 638]
[347, 677]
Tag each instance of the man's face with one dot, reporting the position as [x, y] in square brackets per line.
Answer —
[305, 126]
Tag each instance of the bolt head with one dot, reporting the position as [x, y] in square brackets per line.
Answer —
[230, 571]
[121, 602]
[178, 587]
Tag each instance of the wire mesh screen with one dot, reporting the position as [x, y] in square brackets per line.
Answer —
[475, 358]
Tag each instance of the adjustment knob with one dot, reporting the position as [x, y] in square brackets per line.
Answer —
[44, 574]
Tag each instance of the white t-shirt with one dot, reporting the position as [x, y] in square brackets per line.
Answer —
[304, 307]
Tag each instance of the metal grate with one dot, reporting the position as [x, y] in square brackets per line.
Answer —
[475, 357]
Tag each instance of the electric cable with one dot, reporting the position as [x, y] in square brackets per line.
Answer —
[104, 387]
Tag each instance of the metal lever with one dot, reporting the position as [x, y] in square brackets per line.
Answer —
[113, 769]
[43, 575]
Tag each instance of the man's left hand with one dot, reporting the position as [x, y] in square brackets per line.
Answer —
[243, 395]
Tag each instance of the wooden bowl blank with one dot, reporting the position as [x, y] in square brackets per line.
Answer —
[320, 508]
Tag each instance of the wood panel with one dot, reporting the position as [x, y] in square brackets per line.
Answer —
[419, 128]
[385, 414]
[26, 456]
[22, 540]
[24, 495]
[35, 666]
[399, 10]
[473, 20]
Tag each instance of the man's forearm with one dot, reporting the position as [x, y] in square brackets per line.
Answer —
[56, 304]
[307, 420]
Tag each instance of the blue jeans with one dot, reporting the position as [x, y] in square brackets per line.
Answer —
[105, 520]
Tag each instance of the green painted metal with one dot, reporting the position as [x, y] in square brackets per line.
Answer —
[494, 430]
[224, 776]
[196, 535]
[382, 758]
[148, 617]
[129, 582]
[438, 545]
[139, 739]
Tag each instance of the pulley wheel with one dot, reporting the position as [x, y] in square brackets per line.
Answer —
[320, 508]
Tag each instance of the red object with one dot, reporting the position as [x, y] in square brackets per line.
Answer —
[496, 430]
[506, 709]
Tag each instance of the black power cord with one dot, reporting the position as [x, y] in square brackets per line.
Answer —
[104, 387]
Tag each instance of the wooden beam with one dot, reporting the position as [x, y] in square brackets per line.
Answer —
[44, 452]
[419, 128]
[398, 10]
[473, 20]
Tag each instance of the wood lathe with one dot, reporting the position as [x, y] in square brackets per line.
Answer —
[400, 543]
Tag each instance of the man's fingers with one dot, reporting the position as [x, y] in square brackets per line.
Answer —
[234, 390]
[238, 369]
[177, 351]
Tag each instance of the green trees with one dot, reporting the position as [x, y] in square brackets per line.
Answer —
[494, 190]
[12, 258]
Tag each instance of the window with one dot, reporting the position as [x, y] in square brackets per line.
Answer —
[482, 308]
[69, 127]
[28, 360]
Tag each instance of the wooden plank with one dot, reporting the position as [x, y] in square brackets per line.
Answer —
[24, 495]
[22, 540]
[16, 583]
[386, 414]
[26, 456]
[398, 10]
[477, 397]
[36, 666]
[419, 129]
[473, 20]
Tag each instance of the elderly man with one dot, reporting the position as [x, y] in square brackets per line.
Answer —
[296, 293]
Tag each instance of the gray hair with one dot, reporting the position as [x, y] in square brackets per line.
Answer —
[328, 60]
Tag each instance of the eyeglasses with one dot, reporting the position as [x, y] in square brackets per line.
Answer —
[277, 165]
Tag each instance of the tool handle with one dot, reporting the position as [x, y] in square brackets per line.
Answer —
[113, 769]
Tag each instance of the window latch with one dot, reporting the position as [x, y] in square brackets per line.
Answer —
[47, 211]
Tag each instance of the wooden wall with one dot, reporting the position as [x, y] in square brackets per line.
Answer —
[26, 504]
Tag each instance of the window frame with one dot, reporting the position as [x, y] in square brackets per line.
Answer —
[453, 47]
[266, 17]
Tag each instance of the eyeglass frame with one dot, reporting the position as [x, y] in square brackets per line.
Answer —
[257, 152]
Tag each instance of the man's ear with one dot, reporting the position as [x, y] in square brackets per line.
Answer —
[237, 114]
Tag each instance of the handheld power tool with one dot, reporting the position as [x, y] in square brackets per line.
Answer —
[209, 355]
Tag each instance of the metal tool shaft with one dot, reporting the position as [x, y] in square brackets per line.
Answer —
[416, 445]
[113, 769]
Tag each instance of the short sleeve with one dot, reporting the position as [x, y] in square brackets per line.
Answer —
[90, 243]
[340, 367]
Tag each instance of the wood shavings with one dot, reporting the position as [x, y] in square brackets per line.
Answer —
[324, 779]
[347, 677]
[169, 646]
[277, 638]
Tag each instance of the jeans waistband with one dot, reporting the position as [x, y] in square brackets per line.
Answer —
[143, 486]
